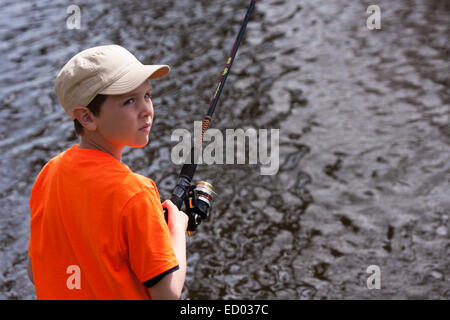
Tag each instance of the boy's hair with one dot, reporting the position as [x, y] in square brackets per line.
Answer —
[94, 106]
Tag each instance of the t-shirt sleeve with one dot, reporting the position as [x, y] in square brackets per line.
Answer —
[37, 200]
[147, 238]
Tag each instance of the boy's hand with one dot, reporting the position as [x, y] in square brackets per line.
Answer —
[178, 220]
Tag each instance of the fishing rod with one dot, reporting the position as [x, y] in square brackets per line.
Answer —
[198, 198]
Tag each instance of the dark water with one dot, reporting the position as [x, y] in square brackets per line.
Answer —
[363, 115]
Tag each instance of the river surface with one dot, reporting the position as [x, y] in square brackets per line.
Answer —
[364, 157]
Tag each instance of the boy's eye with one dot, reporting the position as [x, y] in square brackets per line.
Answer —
[132, 100]
[129, 101]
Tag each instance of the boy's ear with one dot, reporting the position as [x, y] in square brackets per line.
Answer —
[85, 118]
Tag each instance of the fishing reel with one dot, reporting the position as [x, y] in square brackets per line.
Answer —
[198, 203]
[197, 199]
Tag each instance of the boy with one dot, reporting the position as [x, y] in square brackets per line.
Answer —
[97, 229]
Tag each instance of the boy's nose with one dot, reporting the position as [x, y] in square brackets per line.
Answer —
[147, 109]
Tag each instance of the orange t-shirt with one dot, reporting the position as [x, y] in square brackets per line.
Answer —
[97, 229]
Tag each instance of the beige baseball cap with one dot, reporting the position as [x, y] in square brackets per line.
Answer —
[109, 69]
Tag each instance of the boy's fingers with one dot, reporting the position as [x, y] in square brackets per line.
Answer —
[167, 203]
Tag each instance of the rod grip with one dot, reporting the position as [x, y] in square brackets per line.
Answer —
[184, 182]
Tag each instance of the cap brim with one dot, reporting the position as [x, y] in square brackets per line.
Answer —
[135, 77]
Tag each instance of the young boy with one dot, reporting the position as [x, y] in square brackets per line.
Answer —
[98, 229]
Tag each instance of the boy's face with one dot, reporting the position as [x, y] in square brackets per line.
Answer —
[125, 120]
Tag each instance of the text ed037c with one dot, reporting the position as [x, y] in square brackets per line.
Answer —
[232, 309]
